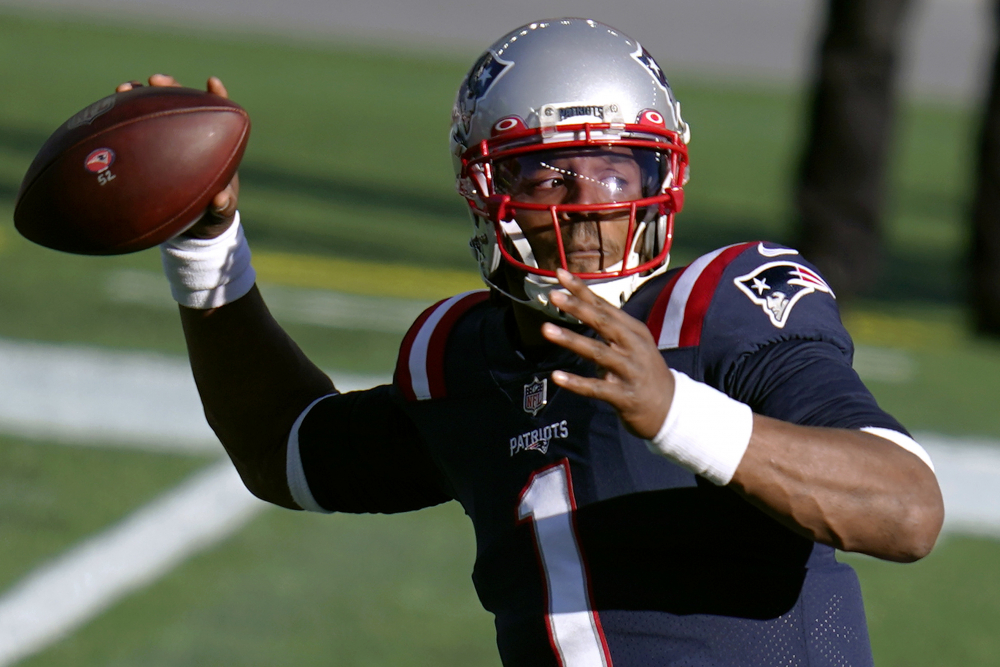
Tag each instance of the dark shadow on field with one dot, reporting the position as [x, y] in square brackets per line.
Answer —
[22, 140]
[909, 276]
[8, 192]
[368, 193]
[266, 233]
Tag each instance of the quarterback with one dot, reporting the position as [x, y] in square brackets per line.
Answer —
[659, 463]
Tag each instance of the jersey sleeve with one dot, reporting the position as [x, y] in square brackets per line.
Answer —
[807, 382]
[765, 328]
[359, 452]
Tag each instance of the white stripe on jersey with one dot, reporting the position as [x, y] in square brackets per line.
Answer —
[673, 319]
[903, 440]
[298, 486]
[418, 352]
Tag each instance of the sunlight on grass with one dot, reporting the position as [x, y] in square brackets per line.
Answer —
[361, 277]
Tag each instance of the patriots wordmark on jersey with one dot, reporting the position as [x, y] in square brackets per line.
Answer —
[591, 550]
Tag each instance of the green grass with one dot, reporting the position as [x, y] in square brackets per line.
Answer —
[348, 160]
[303, 589]
[52, 496]
[942, 610]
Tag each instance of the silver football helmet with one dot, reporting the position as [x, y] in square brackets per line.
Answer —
[559, 122]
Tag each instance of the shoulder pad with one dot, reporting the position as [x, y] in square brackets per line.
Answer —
[678, 314]
[420, 366]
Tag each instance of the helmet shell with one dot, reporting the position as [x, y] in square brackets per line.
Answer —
[576, 69]
[557, 81]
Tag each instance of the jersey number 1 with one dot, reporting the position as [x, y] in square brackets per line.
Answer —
[574, 629]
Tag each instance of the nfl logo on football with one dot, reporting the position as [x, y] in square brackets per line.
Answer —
[535, 395]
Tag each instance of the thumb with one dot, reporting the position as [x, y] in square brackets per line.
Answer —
[224, 204]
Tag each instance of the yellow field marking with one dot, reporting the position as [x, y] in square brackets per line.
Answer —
[361, 277]
[884, 330]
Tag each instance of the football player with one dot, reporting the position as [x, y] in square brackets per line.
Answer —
[658, 463]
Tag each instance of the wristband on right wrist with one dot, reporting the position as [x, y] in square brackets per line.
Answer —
[705, 430]
[208, 273]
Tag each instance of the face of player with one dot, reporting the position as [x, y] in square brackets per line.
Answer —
[594, 240]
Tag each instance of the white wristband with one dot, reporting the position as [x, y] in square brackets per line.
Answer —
[208, 273]
[705, 431]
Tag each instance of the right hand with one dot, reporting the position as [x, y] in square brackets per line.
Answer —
[221, 212]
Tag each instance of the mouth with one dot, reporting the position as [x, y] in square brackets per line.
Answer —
[585, 260]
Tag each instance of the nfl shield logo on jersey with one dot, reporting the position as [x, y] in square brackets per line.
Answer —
[777, 286]
[535, 395]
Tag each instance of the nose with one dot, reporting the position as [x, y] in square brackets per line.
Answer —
[588, 191]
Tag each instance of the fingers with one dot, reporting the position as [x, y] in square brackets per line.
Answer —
[214, 84]
[224, 203]
[127, 86]
[220, 214]
[164, 80]
[216, 87]
[614, 325]
[603, 390]
[604, 355]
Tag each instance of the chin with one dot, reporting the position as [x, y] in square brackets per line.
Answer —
[592, 264]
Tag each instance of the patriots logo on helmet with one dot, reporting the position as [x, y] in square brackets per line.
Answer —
[777, 286]
[642, 57]
[477, 84]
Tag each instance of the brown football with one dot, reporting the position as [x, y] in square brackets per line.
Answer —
[131, 170]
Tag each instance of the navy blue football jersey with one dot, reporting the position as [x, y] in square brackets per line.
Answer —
[591, 550]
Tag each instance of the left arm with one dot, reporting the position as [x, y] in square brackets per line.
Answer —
[846, 488]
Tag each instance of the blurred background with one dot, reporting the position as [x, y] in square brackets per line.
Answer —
[123, 539]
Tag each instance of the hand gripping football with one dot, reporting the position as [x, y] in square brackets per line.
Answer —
[131, 170]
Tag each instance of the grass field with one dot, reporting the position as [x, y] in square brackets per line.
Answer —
[347, 171]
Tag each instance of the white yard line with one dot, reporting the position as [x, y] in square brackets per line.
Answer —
[62, 595]
[93, 397]
[80, 395]
[968, 471]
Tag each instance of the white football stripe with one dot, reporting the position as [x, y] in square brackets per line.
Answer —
[62, 595]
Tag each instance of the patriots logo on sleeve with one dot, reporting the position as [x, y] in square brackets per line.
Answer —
[777, 286]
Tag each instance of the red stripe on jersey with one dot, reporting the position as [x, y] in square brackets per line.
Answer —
[439, 339]
[655, 320]
[702, 293]
[401, 378]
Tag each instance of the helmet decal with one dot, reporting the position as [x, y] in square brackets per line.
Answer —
[508, 124]
[642, 57]
[486, 72]
[652, 117]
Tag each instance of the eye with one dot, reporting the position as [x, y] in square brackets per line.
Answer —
[614, 183]
[542, 186]
[549, 183]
